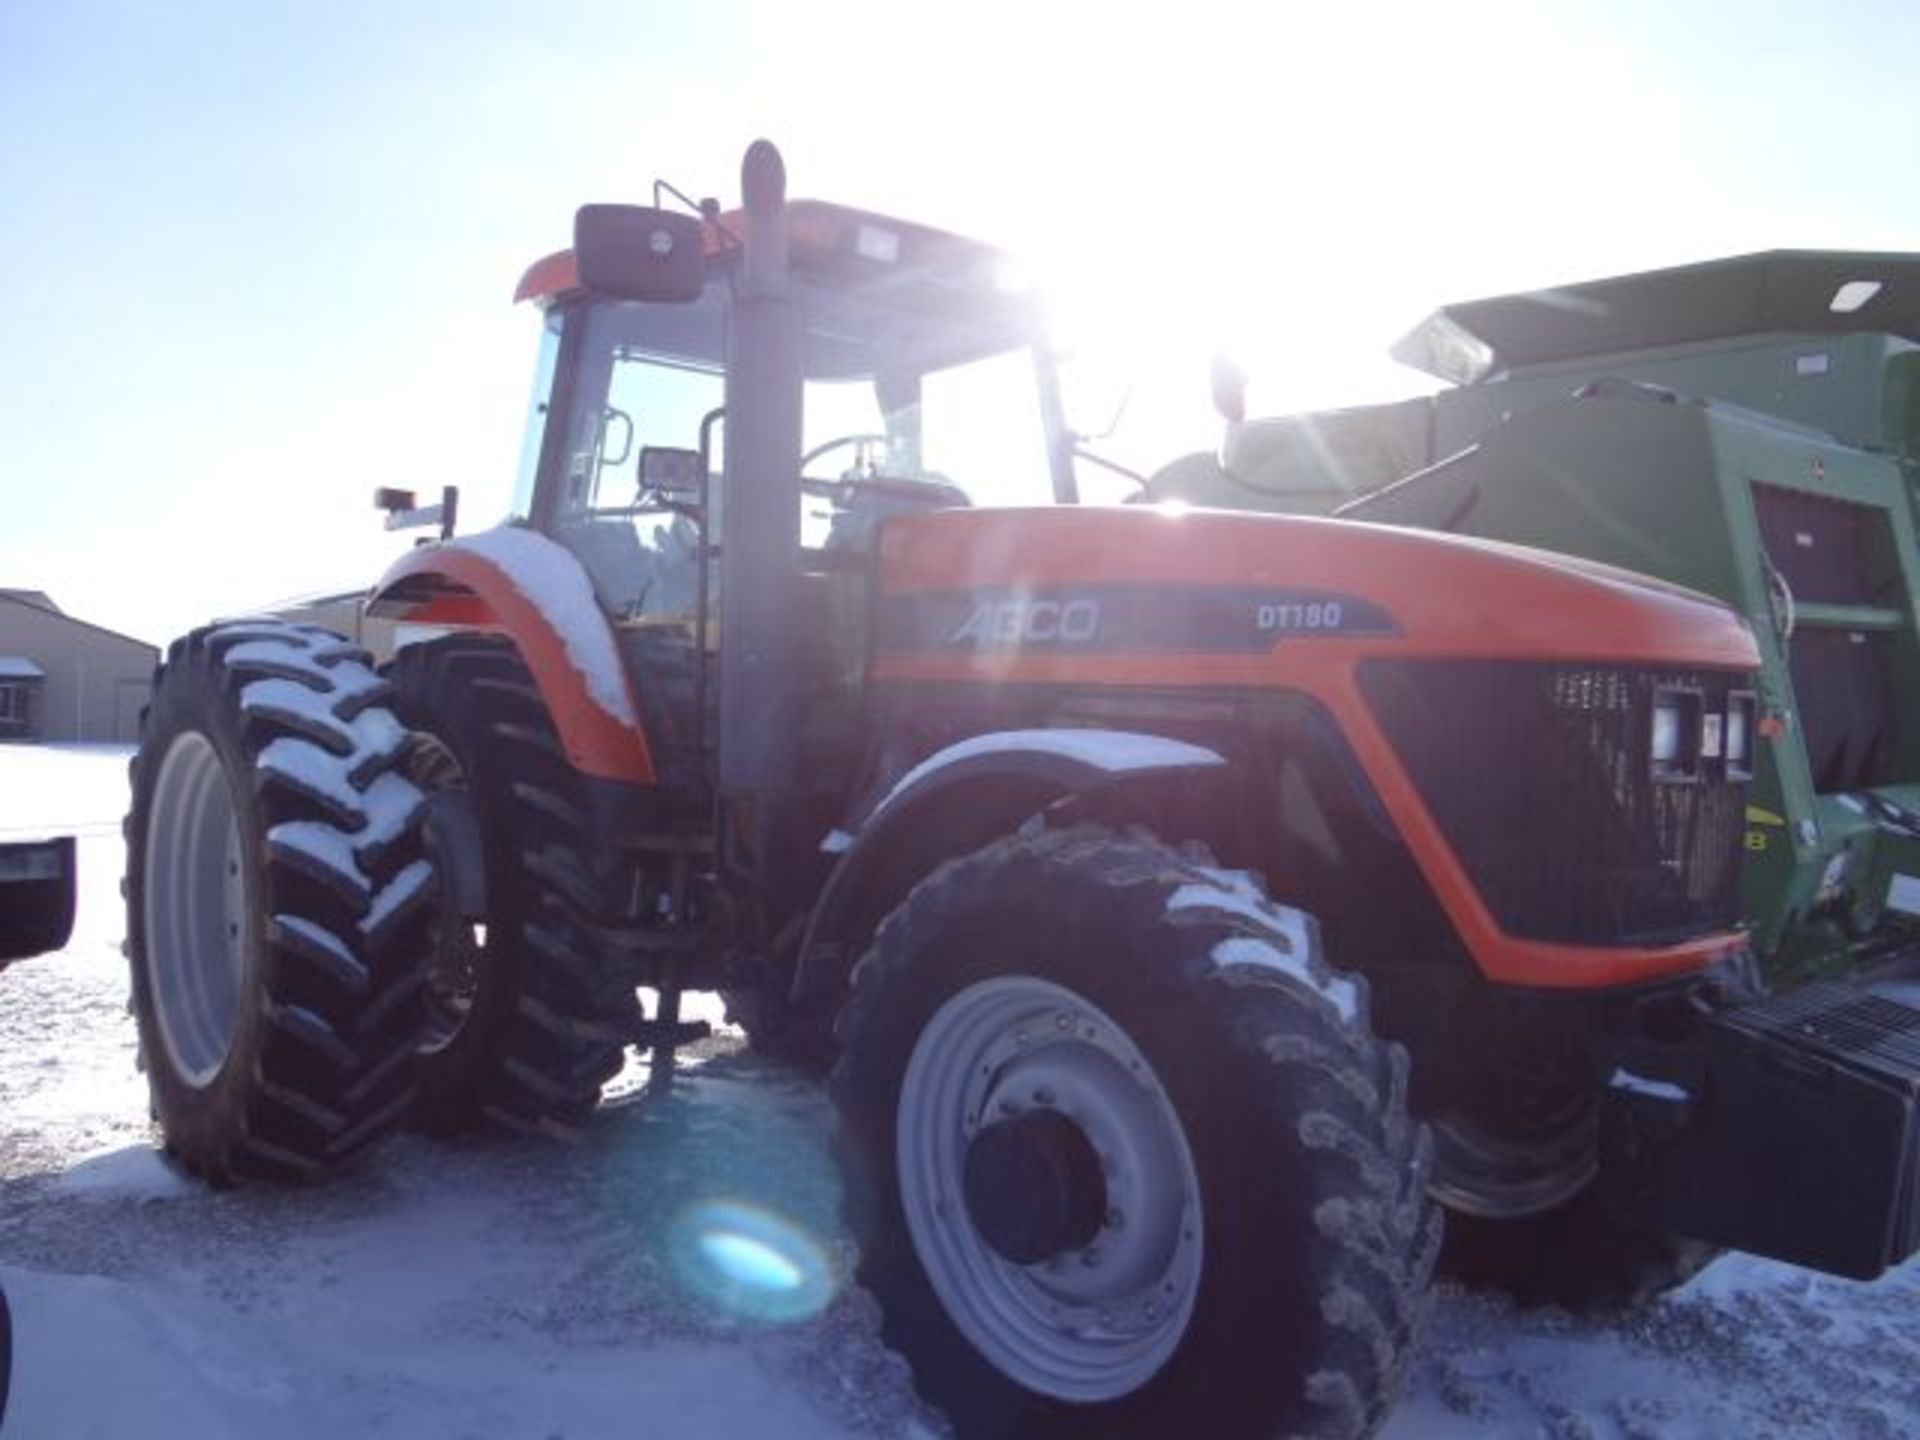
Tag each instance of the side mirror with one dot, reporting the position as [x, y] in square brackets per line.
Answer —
[670, 472]
[635, 252]
[405, 512]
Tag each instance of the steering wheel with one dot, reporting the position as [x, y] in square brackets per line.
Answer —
[839, 442]
[932, 489]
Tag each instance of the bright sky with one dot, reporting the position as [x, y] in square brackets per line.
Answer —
[255, 255]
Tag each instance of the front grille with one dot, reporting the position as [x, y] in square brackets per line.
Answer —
[1540, 777]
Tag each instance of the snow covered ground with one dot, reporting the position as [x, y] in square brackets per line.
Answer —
[679, 1275]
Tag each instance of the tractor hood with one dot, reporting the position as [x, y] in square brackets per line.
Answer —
[1220, 588]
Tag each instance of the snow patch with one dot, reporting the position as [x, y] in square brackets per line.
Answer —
[125, 1172]
[322, 844]
[1341, 992]
[291, 702]
[306, 765]
[1641, 1085]
[547, 575]
[442, 1291]
[376, 731]
[325, 940]
[402, 888]
[390, 804]
[1904, 991]
[1246, 901]
[285, 650]
[1116, 752]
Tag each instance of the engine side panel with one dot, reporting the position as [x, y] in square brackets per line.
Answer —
[1205, 602]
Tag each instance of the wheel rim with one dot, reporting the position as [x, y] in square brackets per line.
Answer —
[196, 909]
[1091, 1322]
[453, 973]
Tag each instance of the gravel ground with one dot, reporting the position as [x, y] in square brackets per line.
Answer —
[523, 1289]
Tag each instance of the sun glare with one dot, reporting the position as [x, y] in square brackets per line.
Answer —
[750, 1262]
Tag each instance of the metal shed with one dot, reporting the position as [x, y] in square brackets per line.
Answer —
[66, 680]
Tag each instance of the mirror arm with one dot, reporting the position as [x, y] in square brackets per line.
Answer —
[404, 514]
[1081, 453]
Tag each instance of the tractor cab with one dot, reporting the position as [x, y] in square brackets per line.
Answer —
[922, 382]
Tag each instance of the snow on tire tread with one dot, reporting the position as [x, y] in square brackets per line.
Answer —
[339, 863]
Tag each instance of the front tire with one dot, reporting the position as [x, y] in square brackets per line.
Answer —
[1123, 1156]
[277, 894]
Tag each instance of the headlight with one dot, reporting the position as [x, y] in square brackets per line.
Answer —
[1675, 743]
[1741, 708]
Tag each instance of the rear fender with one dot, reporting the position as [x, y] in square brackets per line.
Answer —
[969, 794]
[518, 583]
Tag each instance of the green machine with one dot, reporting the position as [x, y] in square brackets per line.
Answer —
[1747, 427]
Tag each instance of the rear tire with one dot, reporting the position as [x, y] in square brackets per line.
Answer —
[533, 1038]
[277, 903]
[1226, 1090]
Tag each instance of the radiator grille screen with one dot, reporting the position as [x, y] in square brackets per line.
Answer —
[1541, 777]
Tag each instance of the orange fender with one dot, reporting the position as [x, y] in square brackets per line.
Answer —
[518, 583]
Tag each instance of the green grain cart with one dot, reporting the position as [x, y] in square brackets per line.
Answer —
[1748, 427]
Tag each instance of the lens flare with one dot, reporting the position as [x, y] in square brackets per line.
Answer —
[752, 1262]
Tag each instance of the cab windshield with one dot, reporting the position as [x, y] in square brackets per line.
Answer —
[953, 401]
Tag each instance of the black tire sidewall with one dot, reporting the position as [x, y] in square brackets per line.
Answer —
[449, 1070]
[451, 1073]
[437, 692]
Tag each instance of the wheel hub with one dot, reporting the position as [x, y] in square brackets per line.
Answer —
[1046, 1180]
[1033, 1186]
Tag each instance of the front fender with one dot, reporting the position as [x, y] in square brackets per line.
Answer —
[518, 583]
[966, 796]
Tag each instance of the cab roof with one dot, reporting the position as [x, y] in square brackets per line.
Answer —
[818, 232]
[1770, 292]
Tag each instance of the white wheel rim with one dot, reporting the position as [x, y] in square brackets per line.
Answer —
[195, 890]
[1083, 1326]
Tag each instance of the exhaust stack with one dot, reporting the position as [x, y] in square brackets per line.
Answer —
[760, 511]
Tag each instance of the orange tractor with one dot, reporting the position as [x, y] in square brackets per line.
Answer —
[1190, 907]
